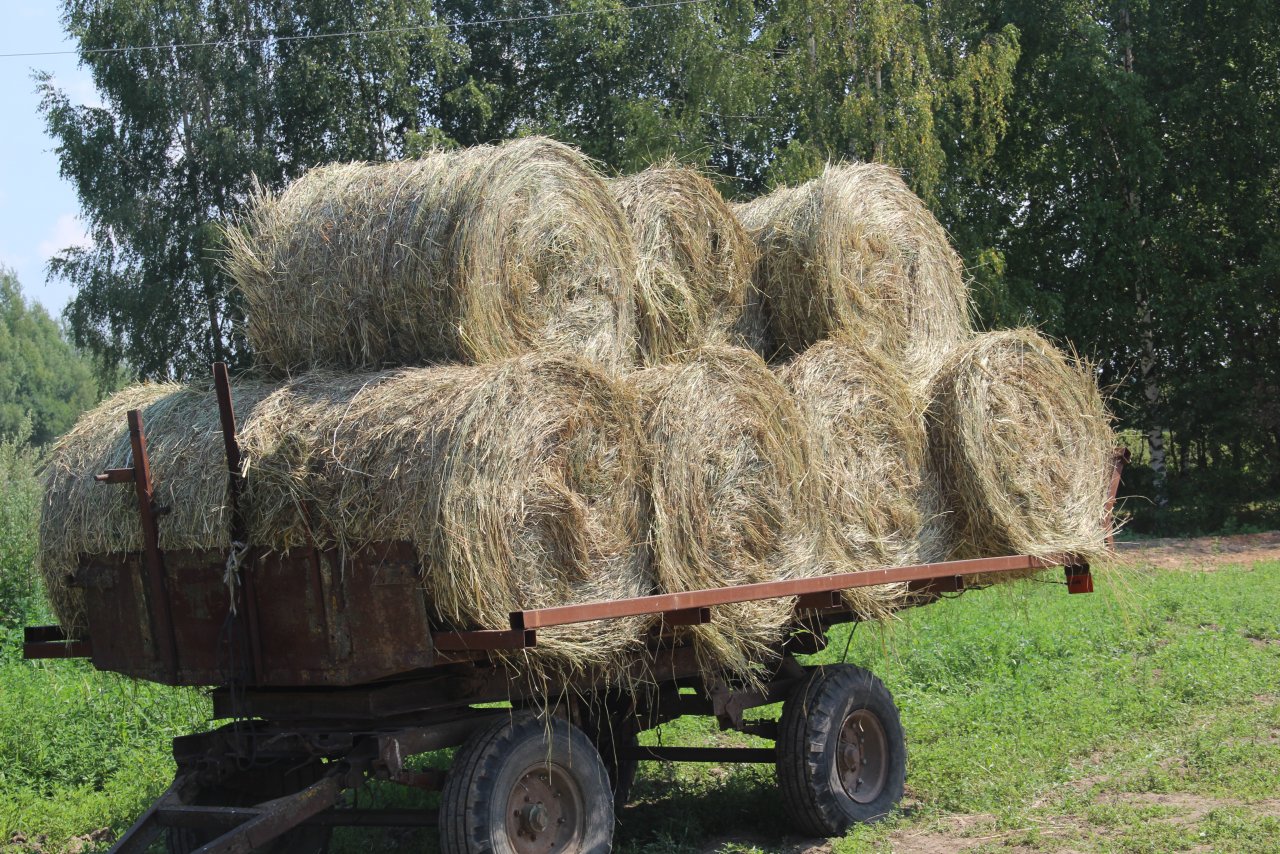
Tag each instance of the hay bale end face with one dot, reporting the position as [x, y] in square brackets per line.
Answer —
[734, 496]
[868, 425]
[694, 285]
[472, 256]
[1023, 443]
[855, 252]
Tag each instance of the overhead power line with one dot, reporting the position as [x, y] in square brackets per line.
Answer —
[354, 33]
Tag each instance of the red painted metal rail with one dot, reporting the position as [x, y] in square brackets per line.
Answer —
[663, 603]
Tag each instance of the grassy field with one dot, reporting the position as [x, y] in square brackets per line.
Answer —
[1145, 717]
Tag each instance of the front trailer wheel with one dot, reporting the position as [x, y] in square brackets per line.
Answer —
[842, 756]
[527, 785]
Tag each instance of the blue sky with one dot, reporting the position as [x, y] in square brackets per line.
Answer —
[38, 209]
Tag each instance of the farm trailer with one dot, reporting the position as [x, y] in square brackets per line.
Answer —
[332, 674]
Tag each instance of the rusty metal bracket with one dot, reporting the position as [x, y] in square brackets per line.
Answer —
[157, 593]
[938, 586]
[825, 600]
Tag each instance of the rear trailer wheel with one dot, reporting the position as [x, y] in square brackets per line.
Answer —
[527, 785]
[842, 757]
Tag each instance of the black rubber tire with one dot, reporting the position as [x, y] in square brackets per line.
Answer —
[489, 767]
[809, 743]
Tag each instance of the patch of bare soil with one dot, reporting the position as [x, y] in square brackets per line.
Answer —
[1202, 553]
[1190, 808]
[956, 833]
[961, 832]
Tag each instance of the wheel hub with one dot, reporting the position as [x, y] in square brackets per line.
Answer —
[862, 756]
[545, 812]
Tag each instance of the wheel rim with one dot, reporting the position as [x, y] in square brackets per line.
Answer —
[862, 756]
[545, 812]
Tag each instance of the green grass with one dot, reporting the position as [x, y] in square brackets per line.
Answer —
[82, 750]
[1142, 718]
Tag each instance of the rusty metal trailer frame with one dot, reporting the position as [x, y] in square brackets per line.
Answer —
[333, 739]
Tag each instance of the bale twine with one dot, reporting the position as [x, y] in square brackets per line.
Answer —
[516, 481]
[735, 500]
[856, 251]
[695, 262]
[868, 424]
[1022, 443]
[79, 516]
[471, 256]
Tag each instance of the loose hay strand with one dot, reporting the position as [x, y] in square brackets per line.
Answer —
[694, 285]
[1023, 442]
[472, 256]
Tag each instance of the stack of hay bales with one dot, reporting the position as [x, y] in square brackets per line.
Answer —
[555, 387]
[997, 442]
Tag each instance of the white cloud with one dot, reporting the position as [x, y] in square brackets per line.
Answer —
[66, 232]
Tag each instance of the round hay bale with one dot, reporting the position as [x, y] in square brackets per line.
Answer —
[734, 496]
[1023, 446]
[695, 261]
[855, 251]
[869, 428]
[470, 256]
[518, 482]
[79, 516]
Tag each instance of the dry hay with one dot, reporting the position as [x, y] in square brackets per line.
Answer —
[734, 496]
[1023, 444]
[694, 264]
[517, 482]
[855, 251]
[471, 256]
[869, 427]
[79, 516]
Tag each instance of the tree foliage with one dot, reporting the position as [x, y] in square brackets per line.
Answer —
[44, 383]
[1110, 169]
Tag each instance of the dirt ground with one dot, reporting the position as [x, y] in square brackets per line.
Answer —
[1201, 553]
